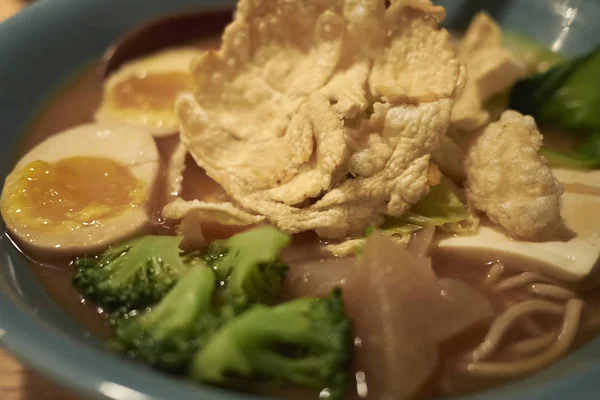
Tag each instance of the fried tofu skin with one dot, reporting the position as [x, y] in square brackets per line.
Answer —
[322, 115]
[509, 181]
[491, 69]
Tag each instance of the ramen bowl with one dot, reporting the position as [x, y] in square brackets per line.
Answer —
[52, 39]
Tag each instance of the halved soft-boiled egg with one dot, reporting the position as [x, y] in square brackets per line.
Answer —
[143, 92]
[82, 190]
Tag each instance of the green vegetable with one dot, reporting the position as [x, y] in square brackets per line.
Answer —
[395, 227]
[441, 207]
[166, 336]
[132, 274]
[586, 156]
[209, 318]
[534, 55]
[306, 341]
[566, 97]
[248, 264]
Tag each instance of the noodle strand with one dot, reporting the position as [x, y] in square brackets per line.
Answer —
[532, 345]
[522, 279]
[552, 291]
[494, 274]
[521, 367]
[506, 320]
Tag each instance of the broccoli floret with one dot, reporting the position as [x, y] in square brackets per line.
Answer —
[307, 341]
[166, 336]
[248, 265]
[133, 274]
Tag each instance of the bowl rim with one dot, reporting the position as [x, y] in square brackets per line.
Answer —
[99, 374]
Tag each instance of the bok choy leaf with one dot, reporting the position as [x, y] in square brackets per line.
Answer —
[441, 207]
[586, 156]
[566, 97]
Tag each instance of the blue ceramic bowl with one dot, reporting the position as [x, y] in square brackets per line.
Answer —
[43, 45]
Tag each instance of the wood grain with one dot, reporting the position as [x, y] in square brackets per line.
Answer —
[17, 382]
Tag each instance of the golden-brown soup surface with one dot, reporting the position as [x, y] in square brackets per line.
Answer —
[76, 104]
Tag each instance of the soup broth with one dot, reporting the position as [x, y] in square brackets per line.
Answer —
[76, 104]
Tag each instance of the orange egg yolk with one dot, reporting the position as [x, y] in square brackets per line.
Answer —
[151, 91]
[71, 192]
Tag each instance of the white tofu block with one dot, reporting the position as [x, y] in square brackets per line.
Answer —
[570, 177]
[571, 257]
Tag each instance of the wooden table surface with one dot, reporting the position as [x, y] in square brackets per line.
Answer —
[17, 382]
[20, 383]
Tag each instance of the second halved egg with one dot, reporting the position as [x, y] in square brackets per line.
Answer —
[143, 92]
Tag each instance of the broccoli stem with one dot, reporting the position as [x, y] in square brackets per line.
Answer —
[181, 307]
[248, 264]
[307, 341]
[166, 336]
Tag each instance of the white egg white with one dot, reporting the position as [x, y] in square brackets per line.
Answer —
[128, 146]
[157, 123]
